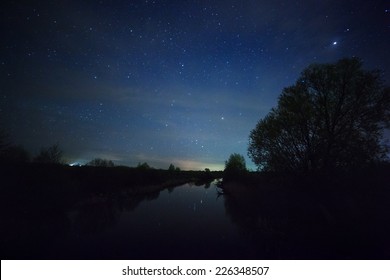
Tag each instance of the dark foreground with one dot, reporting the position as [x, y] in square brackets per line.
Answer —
[57, 212]
[333, 216]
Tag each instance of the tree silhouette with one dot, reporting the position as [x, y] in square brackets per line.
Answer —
[143, 166]
[52, 155]
[14, 154]
[235, 166]
[10, 153]
[333, 117]
[171, 168]
[101, 162]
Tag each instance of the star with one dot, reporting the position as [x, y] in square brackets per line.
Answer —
[120, 56]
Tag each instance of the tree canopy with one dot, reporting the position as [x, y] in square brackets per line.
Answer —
[144, 166]
[51, 155]
[235, 166]
[332, 117]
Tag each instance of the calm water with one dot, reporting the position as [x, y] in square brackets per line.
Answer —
[188, 221]
[193, 222]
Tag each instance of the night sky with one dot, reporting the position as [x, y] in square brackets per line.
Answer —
[162, 82]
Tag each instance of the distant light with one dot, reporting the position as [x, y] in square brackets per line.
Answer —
[74, 164]
[334, 43]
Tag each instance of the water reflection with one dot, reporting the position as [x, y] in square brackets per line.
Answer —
[185, 222]
[97, 214]
[305, 224]
[93, 217]
[248, 210]
[189, 221]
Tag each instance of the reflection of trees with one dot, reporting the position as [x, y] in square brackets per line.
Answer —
[130, 203]
[296, 224]
[95, 216]
[204, 182]
[256, 224]
[99, 213]
[280, 223]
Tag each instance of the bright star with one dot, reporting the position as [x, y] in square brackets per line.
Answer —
[334, 43]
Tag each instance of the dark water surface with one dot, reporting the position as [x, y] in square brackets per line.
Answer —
[187, 221]
[184, 222]
[195, 222]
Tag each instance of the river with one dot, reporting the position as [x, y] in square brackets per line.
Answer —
[187, 221]
[195, 222]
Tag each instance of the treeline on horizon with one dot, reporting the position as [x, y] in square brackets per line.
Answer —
[11, 154]
[97, 176]
[16, 154]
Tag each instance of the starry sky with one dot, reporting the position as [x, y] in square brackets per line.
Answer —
[162, 82]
